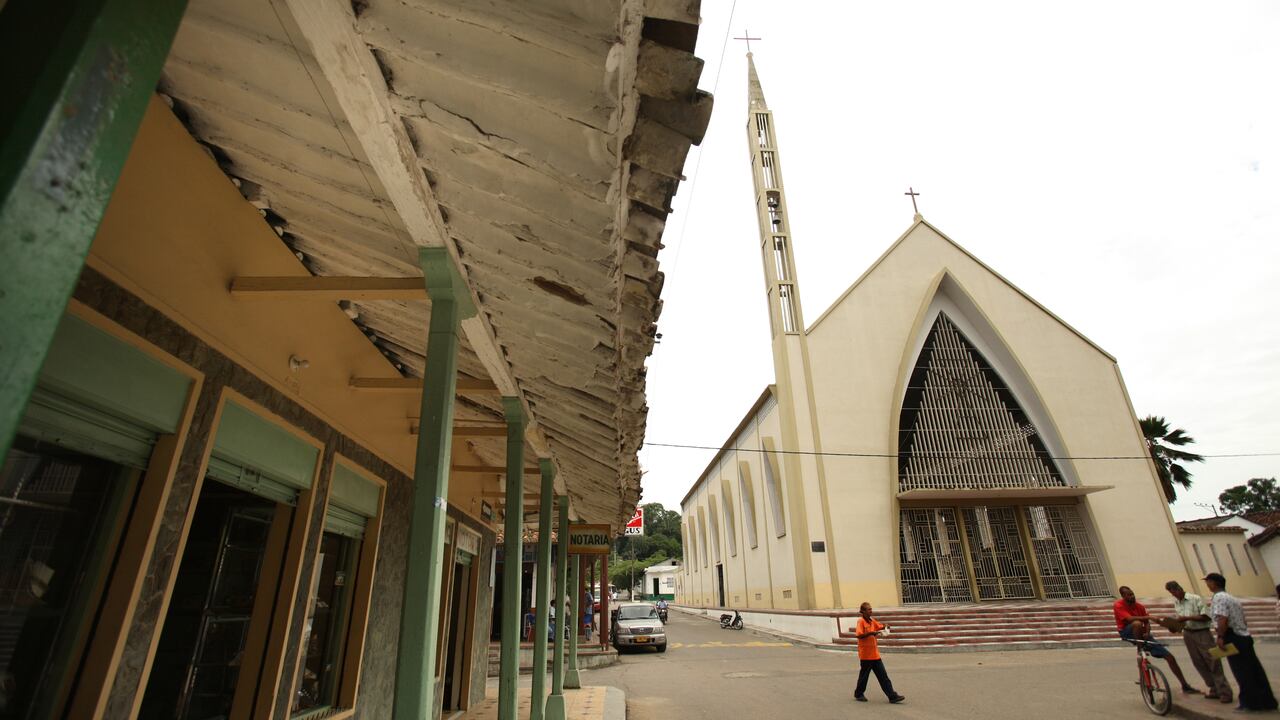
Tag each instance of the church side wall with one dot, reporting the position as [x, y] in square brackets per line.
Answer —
[858, 354]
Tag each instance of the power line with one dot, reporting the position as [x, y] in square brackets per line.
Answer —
[939, 456]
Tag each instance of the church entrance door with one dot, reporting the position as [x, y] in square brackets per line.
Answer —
[932, 557]
[996, 553]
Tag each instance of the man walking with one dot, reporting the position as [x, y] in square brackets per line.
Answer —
[1190, 610]
[867, 630]
[1134, 623]
[1228, 618]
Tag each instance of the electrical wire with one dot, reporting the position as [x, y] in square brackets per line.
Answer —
[933, 456]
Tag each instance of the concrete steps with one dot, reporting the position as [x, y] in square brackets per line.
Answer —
[1005, 626]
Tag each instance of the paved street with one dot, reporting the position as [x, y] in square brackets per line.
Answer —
[712, 673]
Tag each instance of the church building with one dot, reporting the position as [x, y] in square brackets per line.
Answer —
[936, 435]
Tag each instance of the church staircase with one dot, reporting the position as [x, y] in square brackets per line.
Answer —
[1024, 625]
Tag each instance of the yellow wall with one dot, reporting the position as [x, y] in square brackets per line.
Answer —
[861, 353]
[1243, 579]
[175, 234]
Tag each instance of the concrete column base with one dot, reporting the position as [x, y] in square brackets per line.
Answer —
[555, 708]
[571, 680]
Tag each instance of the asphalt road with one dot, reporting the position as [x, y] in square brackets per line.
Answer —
[742, 675]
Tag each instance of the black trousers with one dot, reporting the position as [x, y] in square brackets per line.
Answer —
[1255, 688]
[882, 675]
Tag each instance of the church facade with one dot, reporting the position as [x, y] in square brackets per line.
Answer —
[935, 436]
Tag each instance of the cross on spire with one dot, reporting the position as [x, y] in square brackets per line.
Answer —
[912, 192]
[746, 36]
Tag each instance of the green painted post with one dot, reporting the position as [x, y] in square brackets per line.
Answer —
[513, 552]
[80, 77]
[555, 701]
[543, 597]
[571, 679]
[420, 612]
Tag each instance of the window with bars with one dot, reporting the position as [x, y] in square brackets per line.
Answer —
[763, 136]
[787, 307]
[767, 170]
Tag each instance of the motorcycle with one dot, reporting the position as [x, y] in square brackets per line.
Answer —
[662, 615]
[733, 621]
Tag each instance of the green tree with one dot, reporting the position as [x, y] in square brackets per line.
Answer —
[1257, 495]
[633, 553]
[1163, 445]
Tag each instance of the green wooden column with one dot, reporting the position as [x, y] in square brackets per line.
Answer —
[80, 77]
[513, 552]
[555, 701]
[420, 614]
[571, 679]
[542, 599]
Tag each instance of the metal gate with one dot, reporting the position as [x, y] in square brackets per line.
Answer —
[1069, 565]
[995, 547]
[933, 568]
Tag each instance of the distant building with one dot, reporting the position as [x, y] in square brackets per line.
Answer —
[660, 580]
[936, 435]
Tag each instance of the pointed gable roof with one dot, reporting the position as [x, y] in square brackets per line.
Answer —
[919, 222]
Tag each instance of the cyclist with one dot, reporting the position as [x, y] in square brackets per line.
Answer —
[1134, 623]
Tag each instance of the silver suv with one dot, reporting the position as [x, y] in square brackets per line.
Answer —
[637, 625]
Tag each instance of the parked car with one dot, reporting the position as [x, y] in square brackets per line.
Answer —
[637, 625]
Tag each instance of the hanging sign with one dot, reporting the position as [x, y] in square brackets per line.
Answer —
[635, 526]
[590, 539]
[468, 540]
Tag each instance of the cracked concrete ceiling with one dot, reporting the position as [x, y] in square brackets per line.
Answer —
[551, 134]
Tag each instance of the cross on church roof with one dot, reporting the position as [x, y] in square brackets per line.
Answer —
[912, 192]
[746, 35]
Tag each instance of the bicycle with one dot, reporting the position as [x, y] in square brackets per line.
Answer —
[1152, 683]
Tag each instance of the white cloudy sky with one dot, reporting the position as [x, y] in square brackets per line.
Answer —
[1119, 161]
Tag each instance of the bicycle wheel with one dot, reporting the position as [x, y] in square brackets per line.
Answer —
[1155, 690]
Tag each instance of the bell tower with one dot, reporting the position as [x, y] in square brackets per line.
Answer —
[804, 474]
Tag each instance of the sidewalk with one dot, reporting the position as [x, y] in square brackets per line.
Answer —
[588, 703]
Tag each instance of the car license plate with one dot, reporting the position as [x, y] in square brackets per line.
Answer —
[641, 638]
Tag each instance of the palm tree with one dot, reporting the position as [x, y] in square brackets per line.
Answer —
[1163, 445]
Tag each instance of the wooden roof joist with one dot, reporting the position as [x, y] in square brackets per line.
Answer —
[329, 288]
[488, 469]
[465, 384]
[467, 431]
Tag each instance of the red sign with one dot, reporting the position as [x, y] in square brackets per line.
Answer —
[635, 526]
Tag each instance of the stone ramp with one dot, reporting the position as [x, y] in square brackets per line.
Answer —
[1021, 625]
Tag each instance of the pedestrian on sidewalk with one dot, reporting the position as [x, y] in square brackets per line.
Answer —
[1191, 611]
[1134, 623]
[867, 630]
[1228, 617]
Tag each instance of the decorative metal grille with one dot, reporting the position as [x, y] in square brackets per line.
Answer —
[995, 548]
[931, 557]
[1069, 565]
[961, 426]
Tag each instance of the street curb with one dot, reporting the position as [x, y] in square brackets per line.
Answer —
[793, 639]
[1186, 712]
[615, 703]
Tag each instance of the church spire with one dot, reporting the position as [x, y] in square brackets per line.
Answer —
[755, 93]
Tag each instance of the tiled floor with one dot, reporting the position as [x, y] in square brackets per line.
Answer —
[584, 704]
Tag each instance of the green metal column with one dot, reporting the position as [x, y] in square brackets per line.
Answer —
[543, 596]
[555, 701]
[513, 552]
[571, 679]
[78, 80]
[420, 613]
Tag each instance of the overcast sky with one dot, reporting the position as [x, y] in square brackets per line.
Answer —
[1118, 161]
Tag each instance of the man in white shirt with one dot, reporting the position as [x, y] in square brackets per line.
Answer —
[1190, 610]
[1228, 617]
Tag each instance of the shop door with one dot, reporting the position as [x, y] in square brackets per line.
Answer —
[457, 662]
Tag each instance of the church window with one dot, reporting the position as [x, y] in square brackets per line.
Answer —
[1040, 529]
[1213, 550]
[702, 536]
[762, 130]
[773, 484]
[730, 527]
[787, 306]
[962, 427]
[1232, 552]
[1249, 557]
[1195, 547]
[781, 259]
[767, 170]
[748, 495]
[686, 539]
[715, 527]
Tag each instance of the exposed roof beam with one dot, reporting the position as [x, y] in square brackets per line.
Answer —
[486, 469]
[501, 494]
[360, 89]
[329, 288]
[466, 430]
[465, 384]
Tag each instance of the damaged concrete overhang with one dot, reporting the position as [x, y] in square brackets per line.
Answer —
[551, 137]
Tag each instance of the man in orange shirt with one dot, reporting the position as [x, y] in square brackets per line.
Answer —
[867, 630]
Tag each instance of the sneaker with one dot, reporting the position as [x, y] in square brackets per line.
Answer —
[860, 698]
[897, 699]
[1188, 690]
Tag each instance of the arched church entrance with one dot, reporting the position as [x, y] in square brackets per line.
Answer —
[986, 514]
